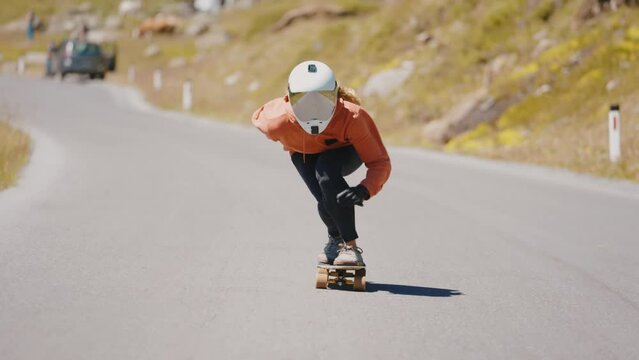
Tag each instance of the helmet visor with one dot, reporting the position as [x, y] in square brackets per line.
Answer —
[313, 106]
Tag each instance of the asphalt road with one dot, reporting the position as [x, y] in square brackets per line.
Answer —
[137, 234]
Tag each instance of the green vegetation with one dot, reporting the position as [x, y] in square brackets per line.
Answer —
[14, 154]
[566, 126]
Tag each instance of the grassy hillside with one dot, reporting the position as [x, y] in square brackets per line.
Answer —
[550, 73]
[14, 154]
[16, 9]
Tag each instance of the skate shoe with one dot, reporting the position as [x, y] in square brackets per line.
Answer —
[349, 256]
[330, 250]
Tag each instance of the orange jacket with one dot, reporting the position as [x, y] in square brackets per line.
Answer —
[351, 125]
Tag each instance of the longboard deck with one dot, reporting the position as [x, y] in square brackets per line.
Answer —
[341, 267]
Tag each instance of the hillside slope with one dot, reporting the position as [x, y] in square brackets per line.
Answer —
[523, 80]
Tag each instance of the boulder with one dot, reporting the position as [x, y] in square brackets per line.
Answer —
[129, 7]
[83, 8]
[161, 23]
[92, 21]
[497, 66]
[57, 24]
[35, 58]
[545, 88]
[20, 25]
[69, 25]
[152, 50]
[254, 86]
[102, 36]
[542, 45]
[241, 4]
[176, 63]
[181, 9]
[113, 22]
[473, 109]
[437, 132]
[67, 22]
[540, 35]
[206, 5]
[423, 37]
[502, 62]
[217, 5]
[14, 26]
[458, 27]
[576, 58]
[233, 79]
[388, 81]
[196, 28]
[310, 11]
[210, 40]
[593, 8]
[440, 131]
[198, 58]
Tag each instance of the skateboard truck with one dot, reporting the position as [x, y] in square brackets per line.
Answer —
[341, 276]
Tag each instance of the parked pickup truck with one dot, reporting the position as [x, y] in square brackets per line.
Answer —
[79, 57]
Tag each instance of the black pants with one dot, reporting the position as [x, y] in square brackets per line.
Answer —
[324, 174]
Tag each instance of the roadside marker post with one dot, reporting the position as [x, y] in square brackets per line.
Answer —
[614, 133]
[157, 80]
[187, 95]
[22, 66]
[131, 74]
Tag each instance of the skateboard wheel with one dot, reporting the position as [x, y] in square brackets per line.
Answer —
[321, 280]
[359, 283]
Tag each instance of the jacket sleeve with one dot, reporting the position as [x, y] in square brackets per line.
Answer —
[262, 123]
[364, 136]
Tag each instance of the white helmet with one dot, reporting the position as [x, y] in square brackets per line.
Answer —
[312, 91]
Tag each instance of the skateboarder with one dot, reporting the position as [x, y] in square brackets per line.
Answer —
[328, 135]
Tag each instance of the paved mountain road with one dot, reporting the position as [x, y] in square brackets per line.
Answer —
[137, 234]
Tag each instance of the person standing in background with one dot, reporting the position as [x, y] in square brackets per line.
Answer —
[83, 35]
[30, 25]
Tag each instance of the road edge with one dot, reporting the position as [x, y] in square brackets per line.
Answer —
[44, 167]
[133, 98]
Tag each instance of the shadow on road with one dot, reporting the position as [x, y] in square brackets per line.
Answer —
[411, 290]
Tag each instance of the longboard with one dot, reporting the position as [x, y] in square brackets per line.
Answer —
[341, 275]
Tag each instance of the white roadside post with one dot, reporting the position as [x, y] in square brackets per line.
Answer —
[187, 95]
[131, 74]
[157, 80]
[614, 133]
[22, 66]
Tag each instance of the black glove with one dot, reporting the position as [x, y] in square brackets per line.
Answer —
[353, 196]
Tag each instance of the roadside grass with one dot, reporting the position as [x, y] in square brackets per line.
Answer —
[14, 154]
[15, 45]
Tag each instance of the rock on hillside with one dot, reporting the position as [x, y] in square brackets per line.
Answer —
[310, 11]
[388, 81]
[129, 7]
[592, 8]
[472, 110]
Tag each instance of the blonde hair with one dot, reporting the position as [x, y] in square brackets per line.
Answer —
[349, 95]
